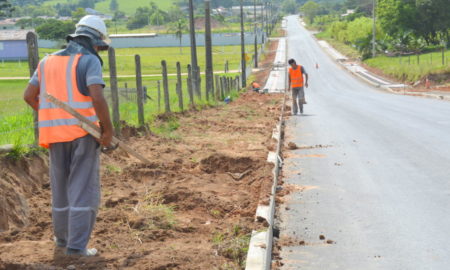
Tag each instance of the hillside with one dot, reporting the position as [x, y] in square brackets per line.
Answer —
[129, 7]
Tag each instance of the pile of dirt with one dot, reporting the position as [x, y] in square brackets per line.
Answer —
[192, 207]
[200, 23]
[21, 182]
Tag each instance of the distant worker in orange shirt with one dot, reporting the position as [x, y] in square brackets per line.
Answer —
[296, 82]
[256, 86]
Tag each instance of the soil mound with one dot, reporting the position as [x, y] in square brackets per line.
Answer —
[220, 163]
[20, 180]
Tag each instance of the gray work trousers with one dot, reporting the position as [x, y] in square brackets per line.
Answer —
[75, 183]
[298, 97]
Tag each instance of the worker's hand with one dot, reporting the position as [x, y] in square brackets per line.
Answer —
[306, 85]
[106, 138]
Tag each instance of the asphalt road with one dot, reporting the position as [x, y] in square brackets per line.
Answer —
[379, 186]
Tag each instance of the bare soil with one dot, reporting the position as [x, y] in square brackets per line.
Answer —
[193, 207]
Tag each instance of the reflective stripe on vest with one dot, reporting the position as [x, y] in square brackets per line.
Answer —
[57, 77]
[296, 76]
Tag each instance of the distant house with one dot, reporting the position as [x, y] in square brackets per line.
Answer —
[13, 45]
[248, 10]
[349, 12]
[8, 24]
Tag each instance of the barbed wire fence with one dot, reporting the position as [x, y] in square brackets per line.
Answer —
[133, 99]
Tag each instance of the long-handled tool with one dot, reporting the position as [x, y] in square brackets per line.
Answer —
[92, 129]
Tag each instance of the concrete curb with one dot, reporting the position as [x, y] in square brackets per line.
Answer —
[259, 256]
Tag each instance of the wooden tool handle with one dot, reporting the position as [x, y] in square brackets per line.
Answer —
[93, 129]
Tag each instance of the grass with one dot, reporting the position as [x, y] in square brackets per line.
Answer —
[233, 244]
[16, 117]
[404, 68]
[410, 68]
[150, 60]
[343, 48]
[155, 213]
[129, 7]
[121, 28]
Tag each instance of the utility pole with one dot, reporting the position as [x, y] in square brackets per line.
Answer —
[194, 63]
[266, 18]
[374, 29]
[243, 64]
[208, 48]
[256, 35]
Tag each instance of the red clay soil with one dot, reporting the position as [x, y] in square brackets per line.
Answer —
[192, 207]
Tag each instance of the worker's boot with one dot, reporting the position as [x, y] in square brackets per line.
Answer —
[60, 242]
[81, 252]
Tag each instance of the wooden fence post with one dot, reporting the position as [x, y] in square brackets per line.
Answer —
[165, 86]
[222, 90]
[189, 84]
[159, 96]
[199, 82]
[114, 90]
[126, 90]
[209, 73]
[33, 61]
[238, 83]
[179, 87]
[139, 90]
[217, 87]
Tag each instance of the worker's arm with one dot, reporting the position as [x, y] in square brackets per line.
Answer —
[102, 111]
[306, 80]
[31, 96]
[289, 86]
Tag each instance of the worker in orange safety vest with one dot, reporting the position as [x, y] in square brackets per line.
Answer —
[297, 83]
[74, 76]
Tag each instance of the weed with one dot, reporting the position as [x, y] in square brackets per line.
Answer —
[152, 213]
[167, 129]
[113, 169]
[233, 244]
[216, 213]
[18, 151]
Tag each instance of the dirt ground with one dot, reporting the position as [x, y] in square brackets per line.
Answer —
[192, 207]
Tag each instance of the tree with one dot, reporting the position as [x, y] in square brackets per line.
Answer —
[397, 16]
[5, 8]
[158, 17]
[55, 29]
[179, 28]
[113, 5]
[78, 14]
[86, 3]
[289, 6]
[311, 9]
[175, 13]
[434, 21]
[140, 18]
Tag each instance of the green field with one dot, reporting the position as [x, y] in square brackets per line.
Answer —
[412, 68]
[150, 60]
[129, 7]
[16, 117]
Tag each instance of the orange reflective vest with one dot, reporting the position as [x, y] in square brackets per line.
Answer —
[256, 85]
[296, 76]
[57, 77]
